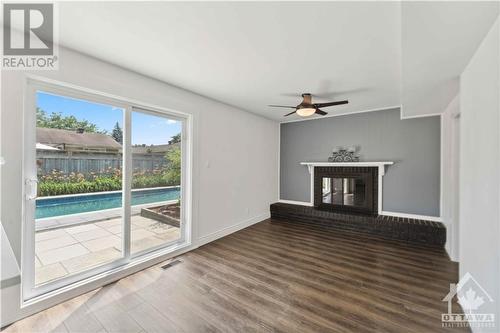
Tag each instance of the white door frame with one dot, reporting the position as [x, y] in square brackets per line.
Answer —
[32, 85]
[455, 186]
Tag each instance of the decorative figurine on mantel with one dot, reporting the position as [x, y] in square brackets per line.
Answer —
[341, 154]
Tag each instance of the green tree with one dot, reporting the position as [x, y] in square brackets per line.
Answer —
[117, 133]
[57, 120]
[175, 139]
[173, 168]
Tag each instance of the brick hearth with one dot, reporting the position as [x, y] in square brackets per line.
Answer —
[403, 229]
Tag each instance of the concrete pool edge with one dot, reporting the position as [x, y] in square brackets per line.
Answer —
[64, 221]
[58, 207]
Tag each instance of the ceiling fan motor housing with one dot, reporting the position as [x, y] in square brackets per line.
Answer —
[307, 100]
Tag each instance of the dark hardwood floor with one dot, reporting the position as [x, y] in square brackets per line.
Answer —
[271, 277]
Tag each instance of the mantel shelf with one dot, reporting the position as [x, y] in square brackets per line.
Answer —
[352, 164]
[380, 165]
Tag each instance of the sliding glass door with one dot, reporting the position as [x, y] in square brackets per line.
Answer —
[104, 185]
[156, 179]
[78, 207]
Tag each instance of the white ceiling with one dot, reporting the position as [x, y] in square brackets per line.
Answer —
[253, 54]
[249, 54]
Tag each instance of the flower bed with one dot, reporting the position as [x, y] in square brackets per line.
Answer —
[57, 183]
[169, 214]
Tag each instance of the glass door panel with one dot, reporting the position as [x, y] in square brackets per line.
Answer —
[327, 190]
[78, 208]
[102, 185]
[337, 191]
[156, 179]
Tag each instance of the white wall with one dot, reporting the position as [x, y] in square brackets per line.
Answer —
[449, 176]
[235, 162]
[480, 169]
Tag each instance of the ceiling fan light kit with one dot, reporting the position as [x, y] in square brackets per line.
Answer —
[308, 108]
[306, 112]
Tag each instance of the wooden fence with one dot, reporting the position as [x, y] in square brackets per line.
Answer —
[97, 163]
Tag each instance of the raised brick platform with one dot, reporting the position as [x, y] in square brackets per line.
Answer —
[404, 229]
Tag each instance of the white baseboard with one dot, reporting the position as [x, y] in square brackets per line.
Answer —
[292, 202]
[413, 216]
[229, 230]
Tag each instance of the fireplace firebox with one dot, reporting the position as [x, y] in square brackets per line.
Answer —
[346, 189]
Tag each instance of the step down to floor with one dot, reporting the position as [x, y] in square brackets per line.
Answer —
[390, 227]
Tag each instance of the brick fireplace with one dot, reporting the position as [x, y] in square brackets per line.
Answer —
[348, 196]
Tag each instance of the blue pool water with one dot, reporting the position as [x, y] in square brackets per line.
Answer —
[51, 207]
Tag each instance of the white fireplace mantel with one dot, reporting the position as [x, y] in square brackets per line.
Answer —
[379, 165]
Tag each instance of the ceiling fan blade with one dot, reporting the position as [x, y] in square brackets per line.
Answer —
[321, 112]
[324, 105]
[282, 106]
[288, 114]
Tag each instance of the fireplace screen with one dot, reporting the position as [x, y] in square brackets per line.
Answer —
[344, 191]
[348, 189]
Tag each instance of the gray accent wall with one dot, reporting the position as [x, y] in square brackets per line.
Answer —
[411, 185]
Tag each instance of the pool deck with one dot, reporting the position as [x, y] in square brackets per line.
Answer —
[78, 244]
[82, 218]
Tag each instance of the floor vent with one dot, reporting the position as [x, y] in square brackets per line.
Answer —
[172, 263]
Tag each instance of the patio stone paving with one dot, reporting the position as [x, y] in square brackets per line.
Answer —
[91, 259]
[61, 253]
[49, 272]
[54, 243]
[103, 242]
[92, 234]
[64, 251]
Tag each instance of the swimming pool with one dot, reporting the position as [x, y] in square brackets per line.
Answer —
[73, 204]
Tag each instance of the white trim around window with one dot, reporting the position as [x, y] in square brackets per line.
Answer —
[82, 281]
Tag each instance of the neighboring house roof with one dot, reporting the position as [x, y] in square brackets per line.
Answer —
[54, 136]
[41, 146]
[153, 149]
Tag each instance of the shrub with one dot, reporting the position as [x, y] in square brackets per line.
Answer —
[57, 183]
[173, 168]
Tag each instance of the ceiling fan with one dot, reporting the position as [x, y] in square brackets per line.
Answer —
[308, 108]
